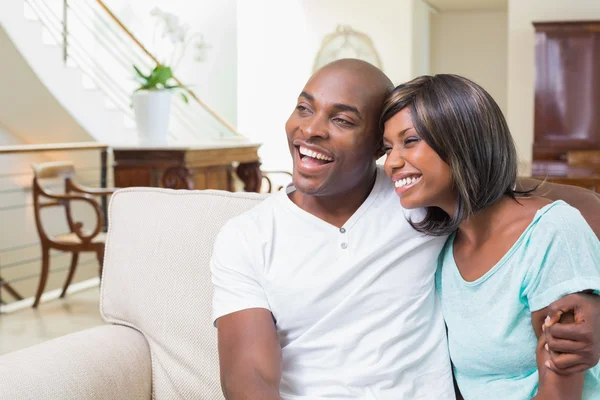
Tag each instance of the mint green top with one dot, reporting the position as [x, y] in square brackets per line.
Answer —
[490, 336]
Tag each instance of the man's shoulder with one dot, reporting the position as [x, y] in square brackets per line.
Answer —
[251, 221]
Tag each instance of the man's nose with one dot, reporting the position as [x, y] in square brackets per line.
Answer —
[315, 128]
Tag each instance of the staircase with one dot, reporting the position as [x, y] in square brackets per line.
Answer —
[67, 76]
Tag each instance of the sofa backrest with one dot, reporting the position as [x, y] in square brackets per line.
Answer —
[157, 280]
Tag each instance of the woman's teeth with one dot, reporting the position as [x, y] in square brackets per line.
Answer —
[406, 181]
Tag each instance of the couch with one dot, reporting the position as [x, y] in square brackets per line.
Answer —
[158, 341]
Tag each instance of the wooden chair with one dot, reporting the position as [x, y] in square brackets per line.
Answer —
[267, 179]
[78, 239]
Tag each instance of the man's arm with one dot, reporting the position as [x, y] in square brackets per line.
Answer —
[249, 355]
[249, 349]
[586, 201]
[573, 347]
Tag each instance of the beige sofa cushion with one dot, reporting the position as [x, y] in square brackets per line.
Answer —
[157, 280]
[105, 362]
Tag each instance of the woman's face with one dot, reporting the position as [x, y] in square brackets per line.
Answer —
[420, 176]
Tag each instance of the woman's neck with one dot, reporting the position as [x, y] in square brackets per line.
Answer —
[480, 227]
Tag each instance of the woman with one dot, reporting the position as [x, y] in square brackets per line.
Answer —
[509, 255]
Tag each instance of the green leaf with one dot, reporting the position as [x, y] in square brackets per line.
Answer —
[140, 73]
[184, 97]
[160, 75]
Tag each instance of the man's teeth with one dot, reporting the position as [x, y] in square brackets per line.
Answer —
[406, 181]
[306, 152]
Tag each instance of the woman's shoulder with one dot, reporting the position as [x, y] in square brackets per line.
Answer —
[558, 216]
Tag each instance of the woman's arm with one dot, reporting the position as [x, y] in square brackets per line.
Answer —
[553, 386]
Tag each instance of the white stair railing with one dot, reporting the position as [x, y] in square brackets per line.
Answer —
[94, 40]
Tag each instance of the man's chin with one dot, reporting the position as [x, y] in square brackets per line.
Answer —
[308, 186]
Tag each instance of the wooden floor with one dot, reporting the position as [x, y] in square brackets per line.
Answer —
[24, 328]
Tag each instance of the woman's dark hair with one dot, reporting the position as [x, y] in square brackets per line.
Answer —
[463, 124]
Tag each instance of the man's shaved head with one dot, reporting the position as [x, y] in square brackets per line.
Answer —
[369, 77]
[336, 120]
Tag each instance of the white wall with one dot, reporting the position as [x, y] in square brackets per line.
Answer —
[473, 44]
[277, 44]
[521, 59]
[421, 38]
[214, 80]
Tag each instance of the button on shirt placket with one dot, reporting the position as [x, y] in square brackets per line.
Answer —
[343, 239]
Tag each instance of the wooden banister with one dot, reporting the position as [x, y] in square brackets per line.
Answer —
[33, 148]
[145, 50]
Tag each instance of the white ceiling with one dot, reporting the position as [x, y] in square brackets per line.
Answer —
[468, 5]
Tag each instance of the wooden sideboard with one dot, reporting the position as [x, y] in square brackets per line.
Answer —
[567, 100]
[567, 89]
[561, 173]
[208, 166]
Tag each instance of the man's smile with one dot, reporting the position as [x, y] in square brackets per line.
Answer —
[312, 160]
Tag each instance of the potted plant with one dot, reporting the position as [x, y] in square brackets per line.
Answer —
[152, 99]
[152, 103]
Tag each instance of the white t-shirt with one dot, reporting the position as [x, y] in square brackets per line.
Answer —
[355, 308]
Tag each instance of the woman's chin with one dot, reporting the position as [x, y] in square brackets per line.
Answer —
[409, 204]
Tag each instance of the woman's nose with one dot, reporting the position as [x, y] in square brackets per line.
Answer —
[394, 161]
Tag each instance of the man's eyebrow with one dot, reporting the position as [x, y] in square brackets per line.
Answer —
[308, 96]
[346, 107]
[338, 106]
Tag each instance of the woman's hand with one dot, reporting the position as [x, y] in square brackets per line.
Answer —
[573, 345]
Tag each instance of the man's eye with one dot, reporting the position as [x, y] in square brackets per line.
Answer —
[301, 108]
[342, 121]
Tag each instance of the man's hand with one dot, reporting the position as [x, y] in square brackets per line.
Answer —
[574, 347]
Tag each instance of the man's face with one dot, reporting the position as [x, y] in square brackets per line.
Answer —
[332, 133]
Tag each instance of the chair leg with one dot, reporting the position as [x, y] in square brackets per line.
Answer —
[72, 268]
[43, 275]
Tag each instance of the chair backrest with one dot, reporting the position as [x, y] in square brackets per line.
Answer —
[49, 170]
[54, 169]
[157, 280]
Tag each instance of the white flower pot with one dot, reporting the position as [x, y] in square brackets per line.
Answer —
[152, 109]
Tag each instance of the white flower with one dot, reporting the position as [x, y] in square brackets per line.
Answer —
[172, 31]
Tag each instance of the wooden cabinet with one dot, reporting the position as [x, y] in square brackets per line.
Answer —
[177, 167]
[567, 100]
[567, 88]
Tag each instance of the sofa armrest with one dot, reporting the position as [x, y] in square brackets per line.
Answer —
[106, 362]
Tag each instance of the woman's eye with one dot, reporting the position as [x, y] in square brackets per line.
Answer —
[410, 140]
[301, 108]
[387, 149]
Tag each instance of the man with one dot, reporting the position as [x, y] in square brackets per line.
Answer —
[326, 291]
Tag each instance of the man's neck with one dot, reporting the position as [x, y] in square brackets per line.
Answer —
[338, 208]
